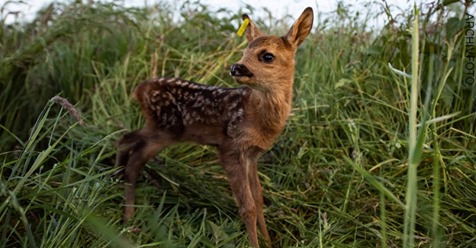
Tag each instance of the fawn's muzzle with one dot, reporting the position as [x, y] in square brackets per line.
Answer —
[239, 70]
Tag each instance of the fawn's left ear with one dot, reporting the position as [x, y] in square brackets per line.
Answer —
[252, 32]
[301, 28]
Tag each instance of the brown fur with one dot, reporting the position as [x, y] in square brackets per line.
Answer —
[241, 122]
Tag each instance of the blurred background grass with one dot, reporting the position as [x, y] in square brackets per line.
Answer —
[337, 177]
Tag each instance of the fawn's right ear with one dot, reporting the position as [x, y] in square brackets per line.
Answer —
[252, 32]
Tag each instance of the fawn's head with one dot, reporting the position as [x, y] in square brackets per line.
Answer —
[268, 61]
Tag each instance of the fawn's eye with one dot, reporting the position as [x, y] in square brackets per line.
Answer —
[267, 57]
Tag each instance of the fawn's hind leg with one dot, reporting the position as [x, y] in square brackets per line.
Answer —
[134, 150]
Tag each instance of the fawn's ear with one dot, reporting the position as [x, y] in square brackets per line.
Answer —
[252, 32]
[301, 28]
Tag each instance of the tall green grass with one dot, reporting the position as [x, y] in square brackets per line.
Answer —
[379, 150]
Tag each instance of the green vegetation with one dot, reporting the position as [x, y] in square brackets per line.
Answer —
[380, 150]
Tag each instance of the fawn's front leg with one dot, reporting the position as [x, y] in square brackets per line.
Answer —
[256, 191]
[236, 168]
[135, 149]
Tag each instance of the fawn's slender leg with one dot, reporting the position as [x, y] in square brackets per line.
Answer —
[236, 167]
[135, 149]
[256, 190]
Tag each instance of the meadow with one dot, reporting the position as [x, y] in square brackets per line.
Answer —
[380, 150]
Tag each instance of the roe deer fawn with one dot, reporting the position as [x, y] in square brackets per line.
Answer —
[241, 122]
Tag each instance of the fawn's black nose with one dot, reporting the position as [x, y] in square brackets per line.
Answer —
[239, 70]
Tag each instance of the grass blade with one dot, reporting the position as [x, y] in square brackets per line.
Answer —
[415, 141]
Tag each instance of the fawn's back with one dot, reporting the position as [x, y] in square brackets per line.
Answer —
[188, 111]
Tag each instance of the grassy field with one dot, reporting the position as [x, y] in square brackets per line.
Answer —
[380, 150]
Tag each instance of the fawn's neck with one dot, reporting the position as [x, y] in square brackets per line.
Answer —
[270, 110]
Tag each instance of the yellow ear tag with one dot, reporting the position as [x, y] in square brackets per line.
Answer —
[243, 26]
